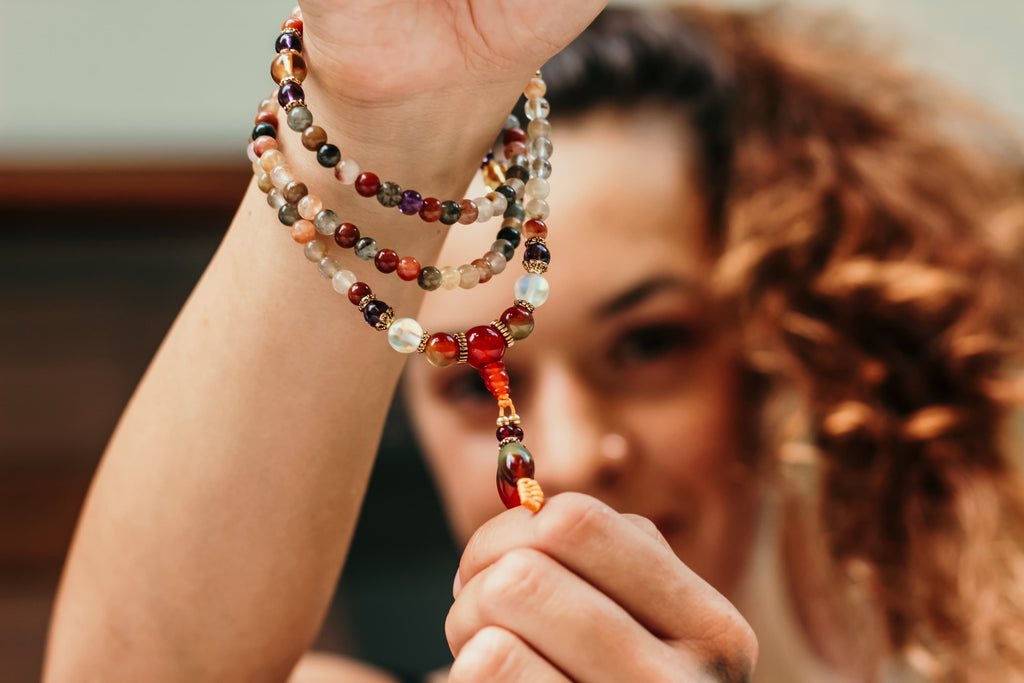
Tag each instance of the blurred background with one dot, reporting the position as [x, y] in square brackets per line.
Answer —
[122, 136]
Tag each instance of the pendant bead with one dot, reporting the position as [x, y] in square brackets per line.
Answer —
[485, 345]
[515, 462]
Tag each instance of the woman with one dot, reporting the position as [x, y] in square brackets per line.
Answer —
[764, 251]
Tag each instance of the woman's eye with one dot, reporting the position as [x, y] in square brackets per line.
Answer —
[653, 343]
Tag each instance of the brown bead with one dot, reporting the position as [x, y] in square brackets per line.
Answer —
[519, 322]
[431, 209]
[535, 227]
[358, 292]
[267, 117]
[485, 270]
[288, 65]
[469, 211]
[313, 138]
[408, 268]
[442, 350]
[346, 235]
[294, 191]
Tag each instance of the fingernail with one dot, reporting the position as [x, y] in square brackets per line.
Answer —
[456, 585]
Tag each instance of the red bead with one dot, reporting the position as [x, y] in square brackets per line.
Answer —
[513, 135]
[442, 350]
[514, 149]
[386, 260]
[366, 184]
[358, 292]
[535, 227]
[293, 23]
[267, 117]
[509, 432]
[431, 209]
[495, 379]
[508, 493]
[485, 345]
[519, 321]
[346, 235]
[408, 268]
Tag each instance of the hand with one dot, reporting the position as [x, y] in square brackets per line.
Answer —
[580, 592]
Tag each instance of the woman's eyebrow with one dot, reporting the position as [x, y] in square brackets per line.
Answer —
[639, 292]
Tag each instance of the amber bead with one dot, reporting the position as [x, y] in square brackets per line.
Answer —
[442, 350]
[431, 209]
[429, 278]
[294, 191]
[267, 117]
[288, 65]
[510, 235]
[389, 194]
[313, 138]
[293, 23]
[347, 235]
[469, 212]
[261, 129]
[535, 228]
[358, 292]
[519, 321]
[485, 345]
[450, 212]
[366, 184]
[408, 268]
[327, 155]
[386, 260]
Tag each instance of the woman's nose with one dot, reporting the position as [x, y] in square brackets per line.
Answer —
[575, 442]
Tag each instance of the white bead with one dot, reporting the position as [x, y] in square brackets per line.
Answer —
[532, 288]
[485, 209]
[281, 175]
[517, 185]
[496, 261]
[499, 203]
[328, 267]
[404, 335]
[469, 276]
[315, 250]
[538, 188]
[450, 277]
[346, 171]
[342, 281]
[537, 208]
[537, 108]
[251, 153]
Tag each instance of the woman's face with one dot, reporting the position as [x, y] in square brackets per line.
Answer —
[628, 389]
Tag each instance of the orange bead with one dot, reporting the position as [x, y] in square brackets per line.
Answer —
[303, 231]
[293, 23]
[288, 64]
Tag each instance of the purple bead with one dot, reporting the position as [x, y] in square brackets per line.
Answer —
[288, 41]
[537, 252]
[290, 92]
[509, 432]
[374, 311]
[411, 202]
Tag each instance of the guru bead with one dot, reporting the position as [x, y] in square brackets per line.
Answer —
[485, 345]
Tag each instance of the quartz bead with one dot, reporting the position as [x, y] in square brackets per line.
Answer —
[517, 172]
[493, 175]
[485, 270]
[442, 350]
[495, 261]
[498, 203]
[346, 236]
[386, 260]
[310, 206]
[510, 235]
[408, 268]
[326, 222]
[264, 182]
[484, 209]
[535, 88]
[540, 168]
[537, 252]
[289, 93]
[303, 231]
[538, 188]
[328, 267]
[468, 212]
[507, 192]
[263, 144]
[519, 160]
[515, 462]
[450, 277]
[281, 175]
[343, 281]
[389, 194]
[485, 345]
[515, 211]
[358, 291]
[539, 128]
[374, 312]
[299, 119]
[313, 138]
[250, 153]
[366, 249]
[328, 155]
[411, 202]
[294, 191]
[431, 209]
[535, 228]
[469, 276]
[288, 214]
[288, 41]
[519, 321]
[270, 104]
[367, 184]
[511, 121]
[512, 223]
[429, 278]
[538, 208]
[509, 431]
[533, 289]
[346, 171]
[275, 199]
[541, 148]
[289, 65]
[315, 250]
[450, 212]
[263, 129]
[518, 186]
[537, 108]
[404, 335]
[505, 248]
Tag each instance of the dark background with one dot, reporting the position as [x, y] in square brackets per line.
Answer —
[94, 265]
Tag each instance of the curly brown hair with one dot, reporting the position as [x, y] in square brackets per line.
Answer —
[871, 239]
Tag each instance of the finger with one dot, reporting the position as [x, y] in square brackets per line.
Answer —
[647, 526]
[495, 654]
[566, 620]
[633, 569]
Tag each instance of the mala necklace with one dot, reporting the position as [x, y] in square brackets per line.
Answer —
[519, 189]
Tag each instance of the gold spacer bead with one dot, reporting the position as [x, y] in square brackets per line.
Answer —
[365, 301]
[507, 440]
[293, 31]
[289, 79]
[505, 332]
[525, 304]
[463, 346]
[386, 319]
[535, 240]
[291, 105]
[424, 338]
[537, 267]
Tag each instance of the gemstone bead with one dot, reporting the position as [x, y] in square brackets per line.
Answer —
[269, 104]
[541, 148]
[261, 129]
[429, 278]
[431, 209]
[408, 268]
[358, 291]
[288, 65]
[328, 266]
[511, 121]
[450, 277]
[442, 350]
[366, 249]
[469, 276]
[303, 231]
[538, 208]
[519, 321]
[485, 345]
[288, 214]
[294, 191]
[485, 270]
[293, 23]
[299, 119]
[326, 222]
[539, 128]
[281, 175]
[347, 235]
[374, 311]
[274, 198]
[535, 228]
[515, 462]
[538, 188]
[288, 41]
[346, 171]
[343, 281]
[411, 202]
[510, 135]
[290, 92]
[263, 144]
[389, 194]
[404, 335]
[386, 260]
[450, 212]
[313, 138]
[533, 289]
[537, 108]
[537, 252]
[468, 212]
[327, 155]
[505, 248]
[315, 250]
[517, 185]
[267, 117]
[495, 261]
[540, 168]
[484, 209]
[265, 183]
[498, 203]
[515, 211]
[517, 173]
[510, 235]
[310, 206]
[366, 184]
[509, 431]
[507, 192]
[515, 149]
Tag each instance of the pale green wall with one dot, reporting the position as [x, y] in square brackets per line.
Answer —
[164, 79]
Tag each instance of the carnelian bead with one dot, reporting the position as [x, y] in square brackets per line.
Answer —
[408, 268]
[386, 260]
[293, 23]
[442, 350]
[267, 117]
[358, 291]
[495, 379]
[509, 493]
[366, 184]
[485, 345]
[431, 209]
[346, 235]
[513, 135]
[519, 321]
[535, 227]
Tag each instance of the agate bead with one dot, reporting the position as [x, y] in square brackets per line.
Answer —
[485, 345]
[386, 260]
[367, 184]
[347, 235]
[294, 191]
[408, 268]
[358, 291]
[313, 138]
[442, 350]
[431, 209]
[519, 321]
